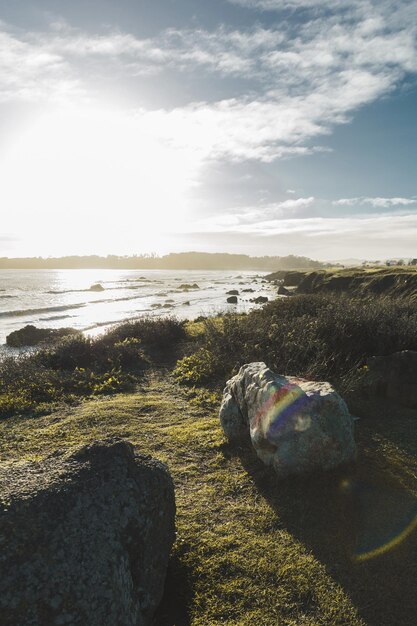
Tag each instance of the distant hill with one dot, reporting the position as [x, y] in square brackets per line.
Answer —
[172, 261]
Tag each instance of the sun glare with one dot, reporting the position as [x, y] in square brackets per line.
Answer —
[81, 172]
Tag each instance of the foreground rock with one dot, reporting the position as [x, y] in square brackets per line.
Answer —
[232, 300]
[394, 377]
[295, 425]
[32, 336]
[85, 538]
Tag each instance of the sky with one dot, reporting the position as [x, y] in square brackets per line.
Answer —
[265, 127]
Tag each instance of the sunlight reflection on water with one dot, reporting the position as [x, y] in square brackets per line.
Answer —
[91, 300]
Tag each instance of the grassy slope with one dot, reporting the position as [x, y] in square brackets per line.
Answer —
[250, 550]
[391, 281]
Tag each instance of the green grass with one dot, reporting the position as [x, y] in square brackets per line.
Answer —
[79, 366]
[251, 550]
[318, 336]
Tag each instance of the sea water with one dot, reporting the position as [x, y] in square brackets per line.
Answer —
[57, 298]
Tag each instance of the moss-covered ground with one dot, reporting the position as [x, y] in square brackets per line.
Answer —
[251, 550]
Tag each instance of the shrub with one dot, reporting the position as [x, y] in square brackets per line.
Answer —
[81, 366]
[198, 368]
[159, 335]
[323, 336]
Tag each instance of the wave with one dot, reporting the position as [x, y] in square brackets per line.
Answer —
[54, 317]
[47, 309]
[7, 296]
[89, 290]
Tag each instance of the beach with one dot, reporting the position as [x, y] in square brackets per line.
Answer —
[93, 300]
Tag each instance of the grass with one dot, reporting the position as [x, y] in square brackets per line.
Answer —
[80, 366]
[250, 550]
[318, 336]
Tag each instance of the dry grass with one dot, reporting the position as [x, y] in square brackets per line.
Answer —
[250, 550]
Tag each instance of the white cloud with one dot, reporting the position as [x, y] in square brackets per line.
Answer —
[30, 72]
[302, 81]
[376, 202]
[370, 237]
[250, 219]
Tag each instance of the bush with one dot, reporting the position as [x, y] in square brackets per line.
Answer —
[321, 336]
[100, 354]
[156, 335]
[80, 366]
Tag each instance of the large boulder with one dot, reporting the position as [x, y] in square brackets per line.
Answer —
[85, 538]
[32, 336]
[394, 376]
[295, 425]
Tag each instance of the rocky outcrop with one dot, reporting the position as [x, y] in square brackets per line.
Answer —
[283, 291]
[396, 282]
[85, 538]
[32, 336]
[287, 278]
[295, 425]
[260, 300]
[394, 377]
[96, 287]
[232, 292]
[232, 300]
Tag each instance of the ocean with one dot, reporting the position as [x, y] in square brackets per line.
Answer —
[93, 300]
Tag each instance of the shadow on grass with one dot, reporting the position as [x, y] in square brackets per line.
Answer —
[394, 422]
[173, 609]
[359, 522]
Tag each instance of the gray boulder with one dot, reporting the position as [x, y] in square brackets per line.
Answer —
[232, 300]
[295, 425]
[32, 336]
[394, 376]
[85, 538]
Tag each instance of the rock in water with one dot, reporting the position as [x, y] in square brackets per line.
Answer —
[85, 538]
[232, 300]
[260, 300]
[32, 336]
[295, 425]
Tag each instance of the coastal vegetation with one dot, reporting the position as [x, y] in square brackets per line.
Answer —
[249, 549]
[81, 366]
[318, 336]
[366, 281]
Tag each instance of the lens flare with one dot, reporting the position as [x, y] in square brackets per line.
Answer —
[385, 517]
[287, 402]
